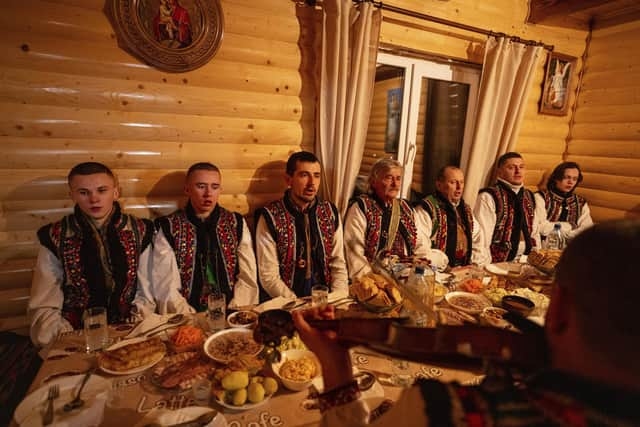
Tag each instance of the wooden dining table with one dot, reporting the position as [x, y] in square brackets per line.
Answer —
[133, 396]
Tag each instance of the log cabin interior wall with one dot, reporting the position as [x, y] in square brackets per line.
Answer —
[605, 135]
[542, 138]
[69, 94]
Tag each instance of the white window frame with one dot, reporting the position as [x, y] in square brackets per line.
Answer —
[414, 71]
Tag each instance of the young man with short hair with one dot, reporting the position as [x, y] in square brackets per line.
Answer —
[299, 239]
[507, 214]
[95, 257]
[203, 249]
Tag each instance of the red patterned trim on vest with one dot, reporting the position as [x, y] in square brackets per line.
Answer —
[75, 287]
[439, 231]
[505, 213]
[374, 213]
[184, 236]
[554, 202]
[285, 229]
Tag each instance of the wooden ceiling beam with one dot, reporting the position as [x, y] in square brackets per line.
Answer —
[543, 10]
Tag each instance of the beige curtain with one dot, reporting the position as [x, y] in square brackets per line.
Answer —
[345, 78]
[507, 75]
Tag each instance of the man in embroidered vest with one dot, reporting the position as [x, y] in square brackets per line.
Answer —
[379, 221]
[506, 212]
[299, 239]
[95, 257]
[559, 203]
[203, 249]
[592, 378]
[449, 224]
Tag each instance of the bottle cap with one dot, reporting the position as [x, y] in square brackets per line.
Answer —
[419, 269]
[556, 226]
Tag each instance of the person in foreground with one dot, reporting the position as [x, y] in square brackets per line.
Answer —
[561, 204]
[592, 334]
[299, 240]
[203, 249]
[95, 257]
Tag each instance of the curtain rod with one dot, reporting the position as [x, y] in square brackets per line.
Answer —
[414, 14]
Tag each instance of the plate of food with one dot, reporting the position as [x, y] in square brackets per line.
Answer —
[451, 317]
[375, 293]
[467, 302]
[240, 391]
[242, 319]
[180, 371]
[229, 344]
[494, 316]
[132, 356]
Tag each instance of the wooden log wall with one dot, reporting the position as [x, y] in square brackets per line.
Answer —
[542, 138]
[605, 137]
[69, 94]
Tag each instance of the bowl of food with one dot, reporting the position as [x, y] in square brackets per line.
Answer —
[297, 369]
[229, 344]
[467, 302]
[186, 338]
[517, 304]
[242, 319]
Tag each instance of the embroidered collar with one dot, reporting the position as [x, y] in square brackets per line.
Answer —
[113, 217]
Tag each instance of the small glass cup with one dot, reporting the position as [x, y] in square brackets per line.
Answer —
[201, 390]
[216, 311]
[319, 296]
[96, 330]
[400, 373]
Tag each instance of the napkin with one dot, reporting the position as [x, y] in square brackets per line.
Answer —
[168, 417]
[151, 321]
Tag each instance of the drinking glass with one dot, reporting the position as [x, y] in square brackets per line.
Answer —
[319, 296]
[96, 331]
[201, 390]
[400, 373]
[216, 311]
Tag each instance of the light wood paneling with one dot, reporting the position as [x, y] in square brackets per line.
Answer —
[69, 93]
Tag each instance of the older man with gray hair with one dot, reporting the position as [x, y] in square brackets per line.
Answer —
[380, 221]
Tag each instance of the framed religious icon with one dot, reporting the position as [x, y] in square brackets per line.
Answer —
[557, 84]
[171, 35]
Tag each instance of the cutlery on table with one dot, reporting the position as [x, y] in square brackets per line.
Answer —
[202, 420]
[173, 320]
[54, 392]
[77, 402]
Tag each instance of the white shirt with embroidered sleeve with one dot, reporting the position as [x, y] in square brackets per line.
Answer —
[584, 222]
[245, 290]
[355, 227]
[410, 409]
[485, 213]
[424, 228]
[159, 280]
[45, 302]
[480, 253]
[337, 264]
[268, 264]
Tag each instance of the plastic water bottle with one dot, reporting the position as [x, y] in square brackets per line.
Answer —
[421, 283]
[554, 239]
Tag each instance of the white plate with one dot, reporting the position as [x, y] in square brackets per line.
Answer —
[132, 370]
[481, 301]
[29, 411]
[244, 407]
[492, 268]
[166, 417]
[224, 332]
